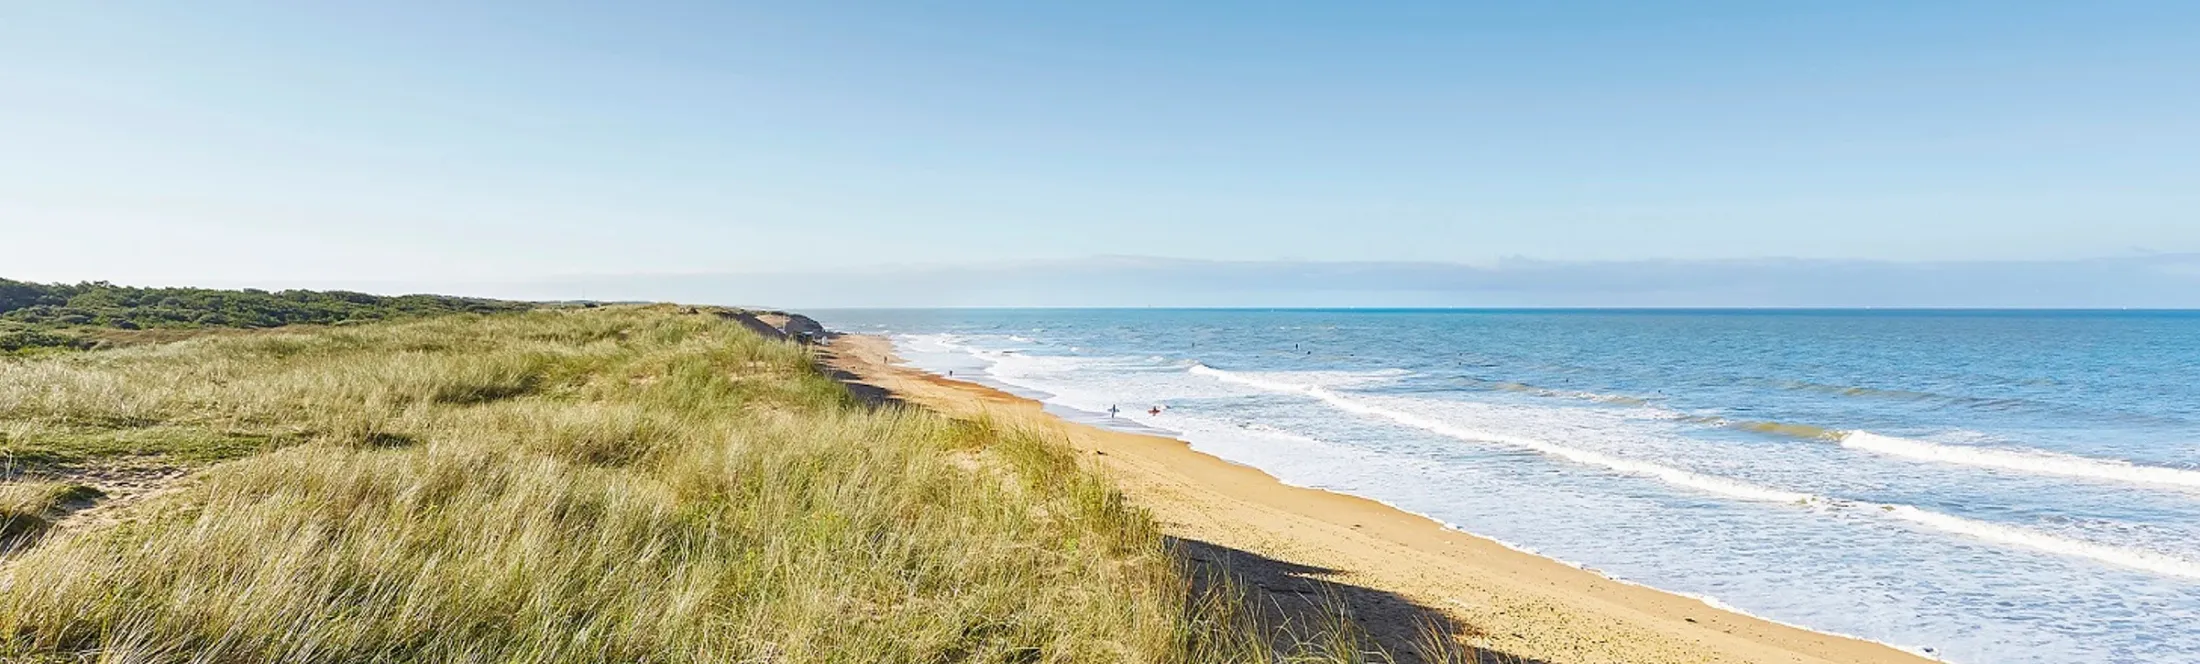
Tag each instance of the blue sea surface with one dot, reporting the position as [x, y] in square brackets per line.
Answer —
[1997, 486]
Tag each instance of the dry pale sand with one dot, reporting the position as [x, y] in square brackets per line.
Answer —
[1395, 568]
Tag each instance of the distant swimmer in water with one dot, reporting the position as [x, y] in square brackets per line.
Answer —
[1156, 410]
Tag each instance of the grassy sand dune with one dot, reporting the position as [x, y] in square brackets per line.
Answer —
[588, 485]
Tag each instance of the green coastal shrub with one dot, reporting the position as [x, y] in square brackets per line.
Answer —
[56, 316]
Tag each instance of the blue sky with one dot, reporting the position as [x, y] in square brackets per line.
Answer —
[416, 142]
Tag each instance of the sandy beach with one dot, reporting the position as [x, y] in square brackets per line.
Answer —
[1394, 569]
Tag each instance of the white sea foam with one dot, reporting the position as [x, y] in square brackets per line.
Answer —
[1982, 587]
[2140, 559]
[2042, 463]
[1016, 365]
[932, 343]
[1718, 485]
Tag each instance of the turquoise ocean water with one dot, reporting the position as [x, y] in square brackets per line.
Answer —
[1993, 486]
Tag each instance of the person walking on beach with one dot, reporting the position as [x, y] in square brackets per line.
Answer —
[1112, 411]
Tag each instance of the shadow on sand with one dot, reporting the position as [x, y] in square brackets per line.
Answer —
[866, 393]
[1299, 599]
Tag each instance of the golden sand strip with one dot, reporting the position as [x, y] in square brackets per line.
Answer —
[1524, 606]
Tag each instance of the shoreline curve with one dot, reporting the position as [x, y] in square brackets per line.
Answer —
[1520, 603]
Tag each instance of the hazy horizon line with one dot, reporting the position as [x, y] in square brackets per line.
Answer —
[2156, 281]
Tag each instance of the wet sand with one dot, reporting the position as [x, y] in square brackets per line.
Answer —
[1517, 606]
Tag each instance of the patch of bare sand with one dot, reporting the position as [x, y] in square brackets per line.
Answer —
[120, 483]
[1396, 571]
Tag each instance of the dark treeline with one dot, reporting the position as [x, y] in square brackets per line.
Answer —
[57, 315]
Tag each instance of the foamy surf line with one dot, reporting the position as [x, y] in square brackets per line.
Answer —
[2148, 561]
[1676, 476]
[2040, 463]
[1706, 600]
[2033, 462]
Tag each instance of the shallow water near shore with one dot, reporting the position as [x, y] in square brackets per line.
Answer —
[1994, 486]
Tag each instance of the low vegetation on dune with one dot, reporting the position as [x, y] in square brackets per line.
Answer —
[618, 484]
[36, 317]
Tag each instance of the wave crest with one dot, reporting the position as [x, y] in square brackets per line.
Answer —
[2042, 463]
[2140, 559]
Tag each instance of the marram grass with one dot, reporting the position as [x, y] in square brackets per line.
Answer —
[608, 485]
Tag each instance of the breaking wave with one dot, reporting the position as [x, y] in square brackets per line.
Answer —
[1669, 474]
[2025, 461]
[2041, 463]
[2140, 559]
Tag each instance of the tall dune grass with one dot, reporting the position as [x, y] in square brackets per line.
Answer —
[610, 485]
